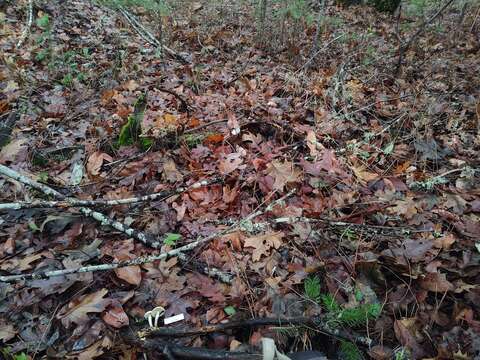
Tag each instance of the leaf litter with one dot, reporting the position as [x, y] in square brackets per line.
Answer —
[385, 168]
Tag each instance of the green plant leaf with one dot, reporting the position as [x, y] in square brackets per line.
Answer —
[171, 239]
[43, 22]
[359, 315]
[230, 310]
[358, 295]
[330, 303]
[43, 177]
[312, 288]
[32, 226]
[389, 148]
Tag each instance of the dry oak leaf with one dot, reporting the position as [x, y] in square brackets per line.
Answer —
[95, 162]
[312, 143]
[115, 316]
[95, 350]
[170, 172]
[207, 287]
[13, 150]
[130, 274]
[262, 244]
[230, 163]
[405, 330]
[76, 311]
[363, 175]
[123, 251]
[436, 282]
[7, 331]
[282, 173]
[407, 208]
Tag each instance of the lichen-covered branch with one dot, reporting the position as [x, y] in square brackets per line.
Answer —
[28, 26]
[94, 203]
[136, 261]
[103, 219]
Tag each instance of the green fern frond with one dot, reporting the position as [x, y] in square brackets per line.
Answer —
[312, 288]
[330, 303]
[350, 351]
[359, 315]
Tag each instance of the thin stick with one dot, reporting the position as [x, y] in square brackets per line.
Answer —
[92, 203]
[143, 32]
[103, 219]
[28, 26]
[185, 105]
[318, 52]
[139, 260]
[203, 126]
[213, 272]
[421, 28]
[330, 222]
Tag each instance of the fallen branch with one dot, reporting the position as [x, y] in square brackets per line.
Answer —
[403, 48]
[333, 223]
[185, 352]
[213, 272]
[103, 219]
[28, 26]
[316, 323]
[94, 203]
[139, 260]
[185, 105]
[147, 35]
[318, 52]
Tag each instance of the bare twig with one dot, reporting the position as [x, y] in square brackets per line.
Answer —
[403, 48]
[323, 48]
[116, 265]
[147, 35]
[223, 276]
[331, 222]
[203, 126]
[103, 219]
[28, 26]
[185, 105]
[93, 203]
[475, 19]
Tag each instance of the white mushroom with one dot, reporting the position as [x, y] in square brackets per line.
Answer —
[153, 315]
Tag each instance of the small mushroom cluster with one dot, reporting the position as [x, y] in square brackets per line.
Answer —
[153, 315]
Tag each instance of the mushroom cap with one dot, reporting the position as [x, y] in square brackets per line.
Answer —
[157, 311]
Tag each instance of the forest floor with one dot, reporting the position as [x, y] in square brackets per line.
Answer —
[338, 199]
